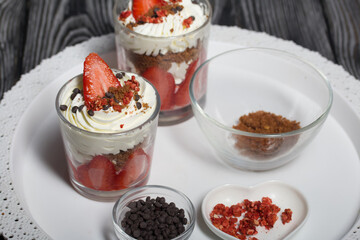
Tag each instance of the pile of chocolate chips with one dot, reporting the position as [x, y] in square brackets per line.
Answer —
[154, 219]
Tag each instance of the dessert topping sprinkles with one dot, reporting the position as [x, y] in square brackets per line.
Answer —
[241, 220]
[116, 97]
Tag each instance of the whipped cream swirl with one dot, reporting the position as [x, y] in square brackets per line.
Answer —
[109, 121]
[107, 131]
[172, 24]
[170, 35]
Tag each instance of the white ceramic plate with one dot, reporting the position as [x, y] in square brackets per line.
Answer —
[327, 172]
[282, 195]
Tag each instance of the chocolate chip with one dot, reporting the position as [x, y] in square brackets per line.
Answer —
[143, 225]
[73, 95]
[74, 109]
[179, 8]
[133, 217]
[138, 105]
[132, 205]
[63, 107]
[119, 76]
[136, 97]
[123, 73]
[106, 107]
[192, 17]
[136, 233]
[91, 112]
[76, 90]
[81, 108]
[149, 219]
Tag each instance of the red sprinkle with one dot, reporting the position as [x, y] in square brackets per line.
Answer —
[187, 22]
[121, 125]
[255, 213]
[162, 13]
[286, 216]
[124, 15]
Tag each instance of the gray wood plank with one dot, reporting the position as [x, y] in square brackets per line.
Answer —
[54, 25]
[344, 23]
[327, 26]
[12, 35]
[300, 21]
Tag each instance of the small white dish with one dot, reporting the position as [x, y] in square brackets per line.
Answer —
[283, 195]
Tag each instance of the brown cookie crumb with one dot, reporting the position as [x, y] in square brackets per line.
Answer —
[264, 123]
[163, 61]
[120, 158]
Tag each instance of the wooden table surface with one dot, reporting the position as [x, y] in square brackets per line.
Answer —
[33, 30]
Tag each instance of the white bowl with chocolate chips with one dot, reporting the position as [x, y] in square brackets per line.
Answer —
[263, 109]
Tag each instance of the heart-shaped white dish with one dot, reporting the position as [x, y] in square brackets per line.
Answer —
[283, 195]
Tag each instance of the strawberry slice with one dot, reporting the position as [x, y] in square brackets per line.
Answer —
[164, 83]
[182, 97]
[98, 174]
[141, 7]
[82, 175]
[97, 79]
[137, 164]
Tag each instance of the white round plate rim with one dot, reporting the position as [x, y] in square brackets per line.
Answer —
[46, 91]
[246, 192]
[25, 228]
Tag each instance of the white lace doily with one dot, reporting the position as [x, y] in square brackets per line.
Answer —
[15, 223]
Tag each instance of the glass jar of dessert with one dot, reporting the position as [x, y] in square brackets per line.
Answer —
[108, 121]
[164, 41]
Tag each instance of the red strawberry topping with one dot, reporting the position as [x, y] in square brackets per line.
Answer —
[164, 83]
[97, 79]
[187, 22]
[124, 15]
[136, 165]
[141, 7]
[182, 97]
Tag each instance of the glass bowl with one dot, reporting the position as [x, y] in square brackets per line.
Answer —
[246, 81]
[123, 205]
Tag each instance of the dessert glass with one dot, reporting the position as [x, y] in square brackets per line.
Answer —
[254, 79]
[82, 147]
[170, 53]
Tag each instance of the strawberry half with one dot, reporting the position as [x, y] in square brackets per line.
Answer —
[82, 175]
[164, 83]
[137, 164]
[182, 97]
[141, 7]
[98, 174]
[97, 79]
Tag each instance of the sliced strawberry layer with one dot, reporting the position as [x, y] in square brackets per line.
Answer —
[136, 166]
[164, 83]
[97, 79]
[98, 174]
[182, 97]
[82, 175]
[141, 7]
